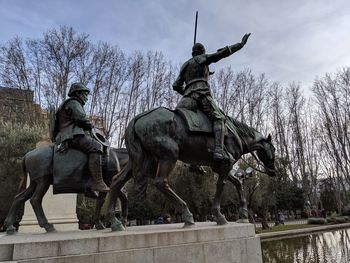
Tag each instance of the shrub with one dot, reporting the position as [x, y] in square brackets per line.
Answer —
[15, 140]
[316, 220]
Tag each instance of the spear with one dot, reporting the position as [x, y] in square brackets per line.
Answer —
[195, 28]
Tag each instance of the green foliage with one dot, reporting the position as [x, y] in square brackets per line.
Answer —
[15, 140]
[328, 198]
[338, 219]
[85, 209]
[317, 220]
[289, 196]
[283, 228]
[263, 198]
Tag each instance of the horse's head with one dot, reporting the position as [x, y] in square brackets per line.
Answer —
[266, 154]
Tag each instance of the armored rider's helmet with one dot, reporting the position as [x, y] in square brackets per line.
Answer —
[198, 49]
[77, 87]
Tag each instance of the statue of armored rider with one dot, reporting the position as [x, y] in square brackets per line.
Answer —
[71, 129]
[192, 82]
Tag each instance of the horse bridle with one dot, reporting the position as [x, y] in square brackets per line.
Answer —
[267, 169]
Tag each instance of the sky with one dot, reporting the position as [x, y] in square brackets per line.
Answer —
[291, 40]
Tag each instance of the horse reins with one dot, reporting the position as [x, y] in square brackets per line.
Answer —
[259, 162]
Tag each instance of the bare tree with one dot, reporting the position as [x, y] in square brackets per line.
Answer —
[332, 97]
[61, 48]
[15, 71]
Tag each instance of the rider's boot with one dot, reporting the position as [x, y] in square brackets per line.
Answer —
[97, 183]
[219, 134]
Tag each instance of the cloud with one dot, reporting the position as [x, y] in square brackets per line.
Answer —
[290, 41]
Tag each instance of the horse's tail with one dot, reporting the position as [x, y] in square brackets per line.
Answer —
[22, 183]
[142, 165]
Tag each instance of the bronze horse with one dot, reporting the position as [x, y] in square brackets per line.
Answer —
[38, 163]
[156, 139]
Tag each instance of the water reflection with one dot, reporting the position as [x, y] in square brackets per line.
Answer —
[329, 247]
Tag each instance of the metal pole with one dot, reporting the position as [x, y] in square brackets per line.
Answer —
[195, 28]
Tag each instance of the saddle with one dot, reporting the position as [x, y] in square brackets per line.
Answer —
[70, 171]
[196, 121]
[70, 167]
[194, 118]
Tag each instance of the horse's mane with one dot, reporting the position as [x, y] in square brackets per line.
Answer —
[243, 129]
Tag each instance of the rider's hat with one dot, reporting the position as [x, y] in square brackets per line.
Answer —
[77, 87]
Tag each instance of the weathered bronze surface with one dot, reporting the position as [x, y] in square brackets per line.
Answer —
[38, 163]
[156, 139]
[192, 82]
[72, 129]
[72, 165]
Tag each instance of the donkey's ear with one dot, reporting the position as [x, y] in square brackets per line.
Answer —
[269, 138]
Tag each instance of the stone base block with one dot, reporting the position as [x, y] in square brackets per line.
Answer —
[206, 242]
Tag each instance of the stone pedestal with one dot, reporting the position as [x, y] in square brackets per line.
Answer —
[60, 210]
[206, 242]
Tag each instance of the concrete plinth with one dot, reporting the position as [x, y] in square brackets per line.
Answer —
[59, 210]
[171, 243]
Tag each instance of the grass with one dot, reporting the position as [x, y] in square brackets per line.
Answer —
[259, 230]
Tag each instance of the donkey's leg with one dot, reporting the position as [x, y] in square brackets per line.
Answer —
[17, 203]
[124, 207]
[99, 203]
[219, 218]
[161, 182]
[243, 210]
[114, 194]
[36, 200]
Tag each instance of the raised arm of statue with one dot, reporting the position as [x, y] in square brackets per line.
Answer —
[227, 51]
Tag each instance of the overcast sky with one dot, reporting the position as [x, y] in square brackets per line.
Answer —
[291, 40]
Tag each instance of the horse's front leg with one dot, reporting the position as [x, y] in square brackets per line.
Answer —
[219, 218]
[116, 224]
[161, 182]
[115, 193]
[99, 203]
[124, 207]
[243, 210]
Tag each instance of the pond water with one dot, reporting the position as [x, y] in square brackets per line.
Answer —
[328, 247]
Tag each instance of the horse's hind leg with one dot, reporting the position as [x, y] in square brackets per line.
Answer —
[115, 193]
[161, 182]
[17, 203]
[36, 200]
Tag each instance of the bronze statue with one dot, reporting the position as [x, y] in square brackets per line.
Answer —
[70, 131]
[39, 163]
[194, 74]
[156, 139]
[72, 165]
